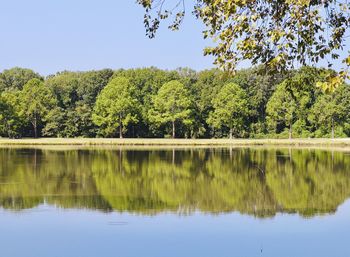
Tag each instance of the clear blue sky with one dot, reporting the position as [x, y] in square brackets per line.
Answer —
[53, 35]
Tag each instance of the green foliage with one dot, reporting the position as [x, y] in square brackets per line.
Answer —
[281, 109]
[230, 109]
[76, 93]
[37, 101]
[16, 78]
[115, 107]
[171, 105]
[279, 34]
[146, 82]
[10, 120]
[331, 112]
[290, 104]
[198, 104]
[91, 83]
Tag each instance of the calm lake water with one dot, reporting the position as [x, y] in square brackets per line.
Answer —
[174, 202]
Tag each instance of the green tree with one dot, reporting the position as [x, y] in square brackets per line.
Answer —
[259, 86]
[331, 110]
[91, 83]
[76, 93]
[203, 91]
[147, 82]
[115, 107]
[290, 105]
[171, 105]
[37, 101]
[230, 109]
[10, 121]
[281, 109]
[60, 123]
[323, 114]
[16, 78]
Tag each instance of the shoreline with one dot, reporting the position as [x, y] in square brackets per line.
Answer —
[319, 142]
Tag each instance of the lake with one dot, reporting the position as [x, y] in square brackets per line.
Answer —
[159, 202]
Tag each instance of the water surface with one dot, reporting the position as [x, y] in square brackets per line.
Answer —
[174, 202]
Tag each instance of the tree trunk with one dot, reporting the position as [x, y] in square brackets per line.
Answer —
[290, 131]
[332, 133]
[231, 133]
[120, 131]
[35, 128]
[195, 134]
[120, 128]
[173, 129]
[8, 128]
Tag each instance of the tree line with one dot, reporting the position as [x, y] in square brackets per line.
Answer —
[150, 102]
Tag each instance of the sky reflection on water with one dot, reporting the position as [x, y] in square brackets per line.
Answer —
[155, 203]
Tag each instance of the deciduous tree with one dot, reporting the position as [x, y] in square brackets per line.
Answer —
[115, 107]
[281, 109]
[171, 105]
[10, 121]
[16, 78]
[331, 110]
[37, 101]
[280, 34]
[230, 109]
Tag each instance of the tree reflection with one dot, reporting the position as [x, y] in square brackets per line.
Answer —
[259, 182]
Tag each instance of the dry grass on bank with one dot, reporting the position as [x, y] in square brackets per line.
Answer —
[344, 142]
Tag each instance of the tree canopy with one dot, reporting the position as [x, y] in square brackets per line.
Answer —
[230, 109]
[9, 118]
[202, 104]
[171, 105]
[330, 111]
[281, 109]
[37, 101]
[280, 34]
[16, 78]
[115, 107]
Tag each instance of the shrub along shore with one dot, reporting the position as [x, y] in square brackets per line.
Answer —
[313, 142]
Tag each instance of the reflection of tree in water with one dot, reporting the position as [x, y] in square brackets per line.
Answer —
[314, 182]
[259, 182]
[32, 177]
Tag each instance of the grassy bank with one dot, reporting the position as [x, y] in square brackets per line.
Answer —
[344, 142]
